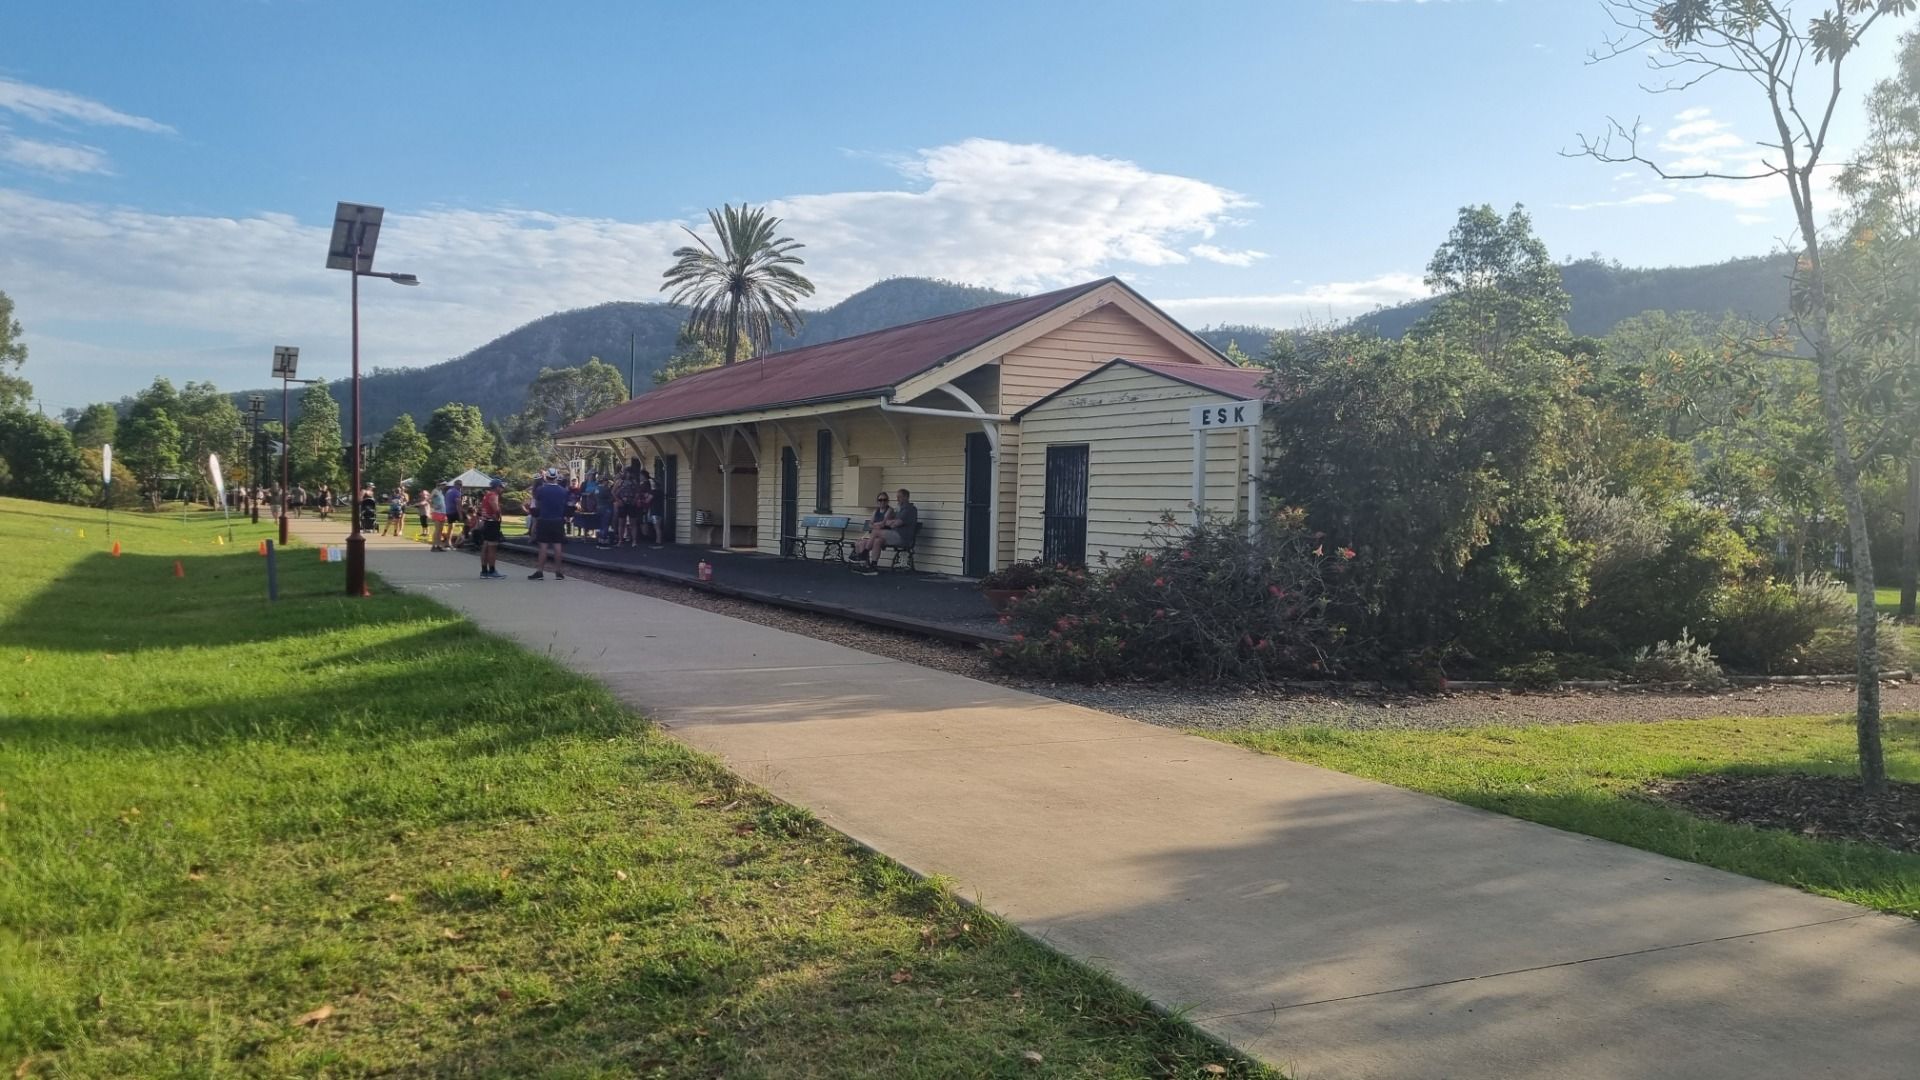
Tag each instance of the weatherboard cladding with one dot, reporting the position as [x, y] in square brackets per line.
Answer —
[1238, 383]
[859, 366]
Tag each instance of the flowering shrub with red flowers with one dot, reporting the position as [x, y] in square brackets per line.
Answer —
[1194, 604]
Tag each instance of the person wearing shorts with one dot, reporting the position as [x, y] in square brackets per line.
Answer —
[438, 508]
[425, 506]
[550, 504]
[396, 513]
[488, 519]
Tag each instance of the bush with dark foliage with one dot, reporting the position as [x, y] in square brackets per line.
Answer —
[1204, 604]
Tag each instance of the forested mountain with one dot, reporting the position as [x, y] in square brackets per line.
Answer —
[1604, 293]
[495, 375]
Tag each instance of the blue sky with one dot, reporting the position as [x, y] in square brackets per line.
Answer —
[167, 170]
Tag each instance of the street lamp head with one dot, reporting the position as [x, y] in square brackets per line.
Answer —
[404, 279]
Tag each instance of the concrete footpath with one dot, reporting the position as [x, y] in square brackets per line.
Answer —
[1336, 927]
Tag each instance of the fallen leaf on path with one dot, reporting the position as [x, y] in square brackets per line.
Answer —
[1032, 1057]
[394, 898]
[453, 935]
[620, 875]
[26, 1063]
[1212, 1069]
[506, 872]
[469, 969]
[313, 1018]
[898, 977]
[503, 994]
[196, 872]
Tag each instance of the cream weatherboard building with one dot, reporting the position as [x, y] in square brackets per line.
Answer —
[966, 410]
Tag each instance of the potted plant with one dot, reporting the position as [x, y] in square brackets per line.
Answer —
[1011, 582]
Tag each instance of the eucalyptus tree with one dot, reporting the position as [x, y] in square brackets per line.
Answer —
[1793, 67]
[746, 286]
[1882, 259]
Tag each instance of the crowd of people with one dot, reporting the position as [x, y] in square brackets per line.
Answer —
[622, 509]
[619, 510]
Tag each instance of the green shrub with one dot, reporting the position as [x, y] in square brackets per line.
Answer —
[1203, 604]
[1831, 650]
[1540, 671]
[1761, 626]
[1032, 574]
[1636, 601]
[1682, 660]
[1805, 628]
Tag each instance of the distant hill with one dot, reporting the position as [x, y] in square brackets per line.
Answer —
[1604, 294]
[495, 375]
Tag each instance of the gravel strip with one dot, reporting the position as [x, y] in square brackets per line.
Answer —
[1217, 710]
[1221, 709]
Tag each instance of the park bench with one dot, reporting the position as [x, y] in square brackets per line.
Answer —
[829, 531]
[895, 553]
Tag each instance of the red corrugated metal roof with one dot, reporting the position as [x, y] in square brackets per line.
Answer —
[1239, 383]
[859, 366]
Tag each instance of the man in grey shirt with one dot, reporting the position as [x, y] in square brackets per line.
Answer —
[898, 530]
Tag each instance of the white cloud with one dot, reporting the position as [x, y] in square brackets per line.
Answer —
[57, 158]
[1330, 300]
[1650, 198]
[1245, 257]
[49, 106]
[1013, 216]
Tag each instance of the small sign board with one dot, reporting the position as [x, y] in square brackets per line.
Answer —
[286, 359]
[578, 467]
[1234, 414]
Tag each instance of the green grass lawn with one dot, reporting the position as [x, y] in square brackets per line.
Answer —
[1583, 779]
[333, 838]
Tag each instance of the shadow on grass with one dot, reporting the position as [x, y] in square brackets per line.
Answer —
[134, 602]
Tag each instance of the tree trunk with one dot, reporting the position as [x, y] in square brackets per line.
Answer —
[733, 328]
[1910, 541]
[1873, 766]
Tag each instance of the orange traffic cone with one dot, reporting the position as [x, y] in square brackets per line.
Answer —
[116, 549]
[263, 547]
[178, 570]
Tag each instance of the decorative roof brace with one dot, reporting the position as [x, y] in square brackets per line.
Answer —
[989, 422]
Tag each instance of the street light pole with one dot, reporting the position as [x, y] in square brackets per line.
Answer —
[286, 360]
[286, 471]
[256, 406]
[356, 228]
[356, 543]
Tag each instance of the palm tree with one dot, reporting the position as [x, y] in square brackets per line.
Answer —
[748, 285]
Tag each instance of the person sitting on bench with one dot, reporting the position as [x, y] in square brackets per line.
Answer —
[896, 529]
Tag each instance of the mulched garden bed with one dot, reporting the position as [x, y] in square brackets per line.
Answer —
[1825, 807]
